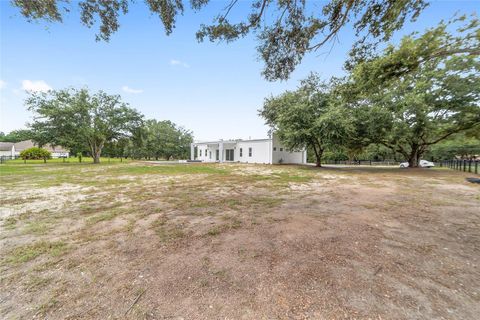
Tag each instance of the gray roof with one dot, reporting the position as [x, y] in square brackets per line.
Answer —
[22, 145]
[6, 146]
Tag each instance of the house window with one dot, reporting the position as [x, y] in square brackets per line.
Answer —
[249, 152]
[281, 149]
[200, 152]
[241, 152]
[210, 154]
[274, 148]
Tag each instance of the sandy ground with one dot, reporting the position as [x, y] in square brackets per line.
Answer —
[252, 242]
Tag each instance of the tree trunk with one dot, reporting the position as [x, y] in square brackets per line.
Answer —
[96, 157]
[96, 151]
[318, 155]
[414, 157]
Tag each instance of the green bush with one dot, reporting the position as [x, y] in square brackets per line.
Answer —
[35, 153]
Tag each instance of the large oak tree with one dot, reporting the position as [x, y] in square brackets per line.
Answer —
[73, 118]
[408, 100]
[309, 117]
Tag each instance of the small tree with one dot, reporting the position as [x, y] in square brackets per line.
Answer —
[74, 118]
[35, 153]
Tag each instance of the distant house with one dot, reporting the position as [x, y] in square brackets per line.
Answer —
[7, 149]
[57, 151]
[267, 151]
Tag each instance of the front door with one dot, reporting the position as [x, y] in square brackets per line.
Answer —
[217, 154]
[229, 154]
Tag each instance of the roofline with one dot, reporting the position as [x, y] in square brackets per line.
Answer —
[230, 141]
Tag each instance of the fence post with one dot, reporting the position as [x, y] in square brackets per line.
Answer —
[476, 166]
[470, 165]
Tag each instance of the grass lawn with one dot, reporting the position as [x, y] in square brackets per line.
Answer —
[134, 240]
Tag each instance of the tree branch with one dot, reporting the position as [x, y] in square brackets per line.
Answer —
[335, 30]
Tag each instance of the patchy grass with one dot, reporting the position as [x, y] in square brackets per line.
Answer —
[180, 169]
[166, 231]
[215, 231]
[105, 216]
[80, 238]
[35, 282]
[37, 227]
[29, 252]
[10, 223]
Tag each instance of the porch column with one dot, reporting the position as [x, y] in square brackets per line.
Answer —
[192, 151]
[220, 151]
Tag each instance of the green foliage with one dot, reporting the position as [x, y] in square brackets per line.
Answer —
[460, 146]
[433, 47]
[161, 140]
[74, 118]
[35, 153]
[308, 117]
[16, 136]
[289, 30]
[421, 101]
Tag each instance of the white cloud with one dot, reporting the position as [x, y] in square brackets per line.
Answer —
[35, 86]
[130, 90]
[3, 84]
[174, 62]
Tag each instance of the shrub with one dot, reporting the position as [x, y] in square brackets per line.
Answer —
[35, 153]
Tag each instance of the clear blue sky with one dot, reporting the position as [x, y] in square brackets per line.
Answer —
[212, 89]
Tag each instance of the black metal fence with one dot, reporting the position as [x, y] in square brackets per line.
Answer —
[4, 159]
[462, 165]
[363, 162]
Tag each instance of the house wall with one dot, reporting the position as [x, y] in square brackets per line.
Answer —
[6, 153]
[60, 154]
[261, 151]
[285, 156]
[54, 154]
[205, 155]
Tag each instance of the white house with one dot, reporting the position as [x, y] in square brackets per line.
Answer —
[267, 151]
[7, 149]
[56, 151]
